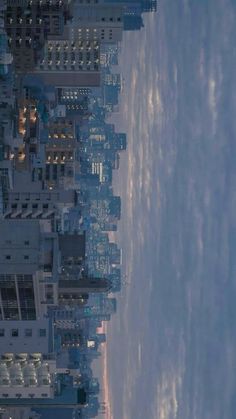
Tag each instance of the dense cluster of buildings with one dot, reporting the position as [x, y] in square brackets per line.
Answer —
[59, 269]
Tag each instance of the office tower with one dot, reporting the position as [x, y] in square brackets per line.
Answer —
[28, 25]
[60, 152]
[149, 5]
[75, 100]
[132, 11]
[101, 22]
[70, 63]
[28, 269]
[29, 199]
[73, 249]
[71, 290]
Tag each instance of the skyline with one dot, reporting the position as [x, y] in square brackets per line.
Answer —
[60, 267]
[117, 210]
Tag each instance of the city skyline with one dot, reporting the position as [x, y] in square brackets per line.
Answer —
[117, 209]
[60, 265]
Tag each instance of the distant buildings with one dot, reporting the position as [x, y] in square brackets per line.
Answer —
[58, 211]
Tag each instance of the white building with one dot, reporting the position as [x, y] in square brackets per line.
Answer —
[26, 376]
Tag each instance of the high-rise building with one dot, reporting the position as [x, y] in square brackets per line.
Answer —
[28, 25]
[60, 152]
[70, 290]
[30, 199]
[101, 22]
[70, 63]
[28, 269]
[26, 376]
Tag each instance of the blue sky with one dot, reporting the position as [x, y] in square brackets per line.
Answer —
[172, 342]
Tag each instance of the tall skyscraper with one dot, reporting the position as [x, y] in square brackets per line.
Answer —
[28, 24]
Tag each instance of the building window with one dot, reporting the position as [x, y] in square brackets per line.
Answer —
[28, 333]
[26, 257]
[15, 333]
[2, 333]
[26, 242]
[8, 257]
[42, 333]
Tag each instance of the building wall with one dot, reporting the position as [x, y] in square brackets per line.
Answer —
[70, 78]
[66, 55]
[27, 336]
[28, 269]
[102, 22]
[19, 247]
[28, 199]
[27, 32]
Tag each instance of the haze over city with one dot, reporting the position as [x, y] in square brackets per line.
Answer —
[117, 209]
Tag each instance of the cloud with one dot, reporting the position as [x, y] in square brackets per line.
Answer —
[178, 316]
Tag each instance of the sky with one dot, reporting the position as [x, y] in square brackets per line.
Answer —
[171, 345]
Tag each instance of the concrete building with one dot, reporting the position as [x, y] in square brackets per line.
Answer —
[28, 269]
[101, 22]
[72, 249]
[75, 100]
[26, 336]
[28, 199]
[26, 376]
[60, 151]
[70, 79]
[70, 55]
[70, 63]
[27, 26]
[19, 413]
[70, 290]
[69, 397]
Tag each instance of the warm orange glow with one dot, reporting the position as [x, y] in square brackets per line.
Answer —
[105, 383]
[21, 157]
